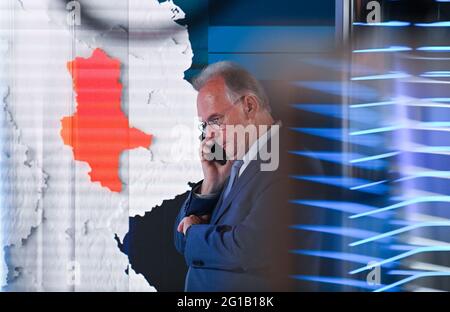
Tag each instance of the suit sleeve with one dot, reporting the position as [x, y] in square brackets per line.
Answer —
[193, 205]
[235, 247]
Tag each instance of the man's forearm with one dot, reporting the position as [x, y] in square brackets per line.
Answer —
[195, 204]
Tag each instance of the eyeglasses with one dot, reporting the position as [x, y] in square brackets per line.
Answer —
[216, 122]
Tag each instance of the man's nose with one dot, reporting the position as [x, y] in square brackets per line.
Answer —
[210, 132]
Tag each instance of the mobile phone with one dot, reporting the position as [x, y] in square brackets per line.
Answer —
[222, 161]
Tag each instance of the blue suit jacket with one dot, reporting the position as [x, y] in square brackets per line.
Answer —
[234, 252]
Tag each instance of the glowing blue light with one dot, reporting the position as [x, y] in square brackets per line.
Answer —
[434, 124]
[375, 157]
[367, 185]
[402, 222]
[411, 278]
[343, 206]
[337, 134]
[336, 111]
[444, 99]
[434, 49]
[423, 199]
[402, 256]
[402, 247]
[404, 272]
[431, 149]
[388, 49]
[357, 258]
[384, 24]
[328, 133]
[436, 74]
[421, 126]
[336, 281]
[434, 24]
[341, 158]
[359, 91]
[372, 104]
[427, 174]
[436, 102]
[332, 110]
[376, 130]
[381, 77]
[336, 230]
[344, 183]
[401, 230]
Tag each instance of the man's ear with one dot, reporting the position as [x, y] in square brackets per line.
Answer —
[251, 106]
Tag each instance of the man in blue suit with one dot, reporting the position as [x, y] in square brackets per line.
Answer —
[231, 229]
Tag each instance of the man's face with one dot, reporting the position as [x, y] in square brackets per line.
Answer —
[212, 103]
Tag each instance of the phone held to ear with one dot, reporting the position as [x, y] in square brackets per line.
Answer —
[221, 162]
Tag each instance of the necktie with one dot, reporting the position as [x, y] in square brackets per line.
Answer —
[233, 176]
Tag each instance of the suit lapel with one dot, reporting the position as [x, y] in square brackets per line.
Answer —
[219, 202]
[224, 203]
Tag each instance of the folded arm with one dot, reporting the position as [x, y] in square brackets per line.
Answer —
[235, 247]
[195, 204]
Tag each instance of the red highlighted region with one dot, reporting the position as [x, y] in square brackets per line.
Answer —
[99, 131]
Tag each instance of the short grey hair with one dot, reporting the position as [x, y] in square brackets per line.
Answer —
[238, 81]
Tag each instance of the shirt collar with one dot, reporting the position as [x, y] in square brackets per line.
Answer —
[258, 145]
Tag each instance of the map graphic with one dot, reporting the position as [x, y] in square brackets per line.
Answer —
[99, 131]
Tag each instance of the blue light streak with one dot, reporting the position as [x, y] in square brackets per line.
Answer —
[337, 135]
[384, 24]
[402, 247]
[342, 206]
[434, 49]
[381, 77]
[375, 157]
[332, 110]
[402, 256]
[431, 149]
[344, 182]
[336, 111]
[411, 278]
[415, 102]
[354, 188]
[404, 272]
[425, 174]
[420, 126]
[434, 24]
[341, 158]
[441, 99]
[436, 74]
[336, 281]
[351, 257]
[400, 230]
[384, 50]
[423, 199]
[376, 130]
[336, 230]
[375, 104]
[434, 124]
[359, 91]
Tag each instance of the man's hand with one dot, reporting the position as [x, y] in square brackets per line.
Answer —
[192, 219]
[214, 173]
